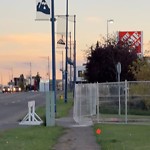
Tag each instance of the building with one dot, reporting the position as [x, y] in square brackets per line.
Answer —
[80, 71]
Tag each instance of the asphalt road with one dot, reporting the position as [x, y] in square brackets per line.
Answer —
[14, 106]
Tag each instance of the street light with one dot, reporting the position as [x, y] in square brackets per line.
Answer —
[108, 21]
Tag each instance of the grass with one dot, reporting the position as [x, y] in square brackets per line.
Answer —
[123, 137]
[32, 138]
[62, 108]
[35, 137]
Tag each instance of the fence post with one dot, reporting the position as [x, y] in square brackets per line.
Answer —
[126, 99]
[80, 99]
[97, 88]
[119, 111]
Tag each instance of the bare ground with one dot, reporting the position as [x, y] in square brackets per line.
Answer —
[76, 137]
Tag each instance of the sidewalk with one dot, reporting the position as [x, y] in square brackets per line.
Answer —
[77, 137]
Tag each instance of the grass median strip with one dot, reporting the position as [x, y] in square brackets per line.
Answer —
[123, 137]
[35, 137]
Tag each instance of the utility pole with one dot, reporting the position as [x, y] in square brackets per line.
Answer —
[70, 64]
[49, 73]
[30, 76]
[53, 52]
[74, 62]
[66, 65]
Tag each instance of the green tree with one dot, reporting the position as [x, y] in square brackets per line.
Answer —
[103, 58]
[141, 69]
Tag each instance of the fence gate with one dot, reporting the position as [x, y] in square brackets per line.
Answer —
[84, 103]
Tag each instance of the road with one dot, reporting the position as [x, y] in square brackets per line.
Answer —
[14, 106]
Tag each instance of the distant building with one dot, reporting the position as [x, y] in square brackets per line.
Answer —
[44, 85]
[80, 72]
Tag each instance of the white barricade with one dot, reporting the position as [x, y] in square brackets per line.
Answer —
[31, 118]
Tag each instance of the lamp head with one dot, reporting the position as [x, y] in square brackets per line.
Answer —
[110, 21]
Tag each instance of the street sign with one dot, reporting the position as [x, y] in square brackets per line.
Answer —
[118, 67]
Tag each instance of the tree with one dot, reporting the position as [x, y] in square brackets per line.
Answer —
[103, 58]
[141, 69]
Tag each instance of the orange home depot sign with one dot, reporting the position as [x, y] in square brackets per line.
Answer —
[132, 38]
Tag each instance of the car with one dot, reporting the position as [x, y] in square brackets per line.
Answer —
[6, 89]
[16, 89]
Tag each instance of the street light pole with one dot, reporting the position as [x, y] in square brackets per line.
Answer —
[66, 63]
[49, 73]
[62, 67]
[30, 76]
[53, 53]
[74, 52]
[70, 64]
[108, 21]
[12, 76]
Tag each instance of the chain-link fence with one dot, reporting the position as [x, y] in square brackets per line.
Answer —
[123, 102]
[84, 103]
[139, 102]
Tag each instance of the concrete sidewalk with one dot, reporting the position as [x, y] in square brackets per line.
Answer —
[77, 137]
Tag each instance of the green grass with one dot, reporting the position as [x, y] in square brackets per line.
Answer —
[123, 137]
[32, 138]
[61, 107]
[35, 137]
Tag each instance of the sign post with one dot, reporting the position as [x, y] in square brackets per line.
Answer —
[119, 72]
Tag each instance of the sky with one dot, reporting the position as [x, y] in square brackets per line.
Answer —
[24, 40]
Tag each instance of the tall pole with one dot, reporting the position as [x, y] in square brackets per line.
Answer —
[53, 52]
[30, 76]
[119, 72]
[107, 33]
[74, 51]
[108, 21]
[12, 76]
[62, 71]
[48, 73]
[70, 60]
[62, 57]
[66, 63]
[62, 68]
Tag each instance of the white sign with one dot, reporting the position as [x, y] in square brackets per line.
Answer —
[42, 9]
